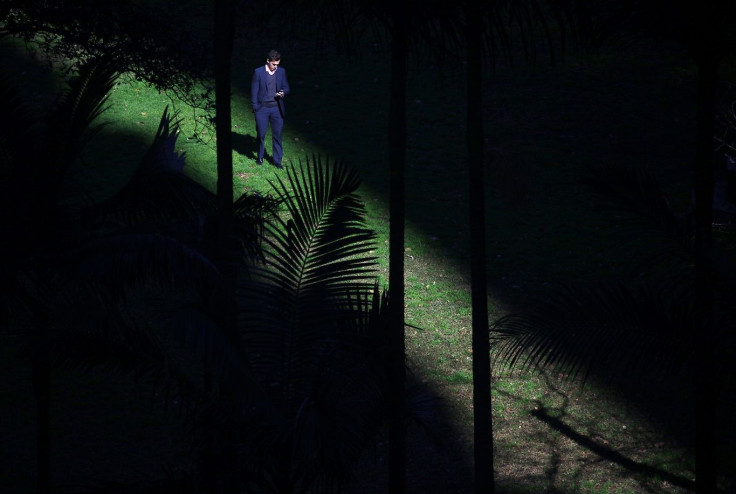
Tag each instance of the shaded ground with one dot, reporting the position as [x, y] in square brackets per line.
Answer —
[543, 126]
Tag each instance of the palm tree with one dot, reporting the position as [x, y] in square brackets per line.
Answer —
[156, 230]
[399, 26]
[35, 160]
[306, 409]
[482, 411]
[312, 334]
[485, 25]
[60, 251]
[342, 17]
[713, 35]
[224, 30]
[439, 27]
[297, 394]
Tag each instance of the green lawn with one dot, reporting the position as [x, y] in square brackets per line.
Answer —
[543, 125]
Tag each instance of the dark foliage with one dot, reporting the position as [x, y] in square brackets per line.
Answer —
[143, 39]
[283, 380]
[644, 326]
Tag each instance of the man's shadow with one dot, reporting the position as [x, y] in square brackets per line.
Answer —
[247, 145]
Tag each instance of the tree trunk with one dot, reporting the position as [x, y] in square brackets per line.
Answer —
[41, 379]
[396, 372]
[704, 383]
[707, 50]
[218, 460]
[482, 413]
[224, 33]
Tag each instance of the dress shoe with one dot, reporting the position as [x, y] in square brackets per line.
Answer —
[279, 166]
[259, 161]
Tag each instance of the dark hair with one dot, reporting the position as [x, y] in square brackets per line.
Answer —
[273, 55]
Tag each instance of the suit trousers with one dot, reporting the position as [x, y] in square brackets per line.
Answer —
[265, 117]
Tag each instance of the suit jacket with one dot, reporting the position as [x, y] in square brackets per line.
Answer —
[258, 86]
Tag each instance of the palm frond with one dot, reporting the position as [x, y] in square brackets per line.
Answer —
[158, 190]
[150, 307]
[616, 328]
[162, 153]
[125, 260]
[438, 28]
[533, 26]
[250, 212]
[315, 260]
[70, 121]
[86, 327]
[641, 218]
[321, 250]
[309, 328]
[634, 191]
[160, 197]
[319, 435]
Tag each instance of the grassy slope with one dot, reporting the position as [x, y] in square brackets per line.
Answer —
[543, 126]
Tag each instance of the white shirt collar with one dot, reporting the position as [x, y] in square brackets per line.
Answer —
[269, 71]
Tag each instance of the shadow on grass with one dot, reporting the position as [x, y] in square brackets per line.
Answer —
[610, 454]
[578, 446]
[245, 145]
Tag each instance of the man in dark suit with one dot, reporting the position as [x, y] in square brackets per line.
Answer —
[268, 88]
